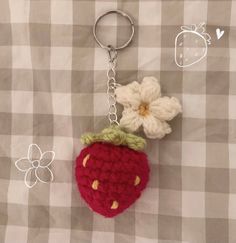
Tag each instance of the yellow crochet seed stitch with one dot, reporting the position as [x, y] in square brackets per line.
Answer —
[95, 184]
[114, 205]
[137, 180]
[85, 160]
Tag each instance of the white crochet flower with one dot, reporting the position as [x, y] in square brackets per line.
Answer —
[144, 106]
[36, 166]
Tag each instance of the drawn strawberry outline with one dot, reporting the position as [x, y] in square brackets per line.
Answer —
[199, 31]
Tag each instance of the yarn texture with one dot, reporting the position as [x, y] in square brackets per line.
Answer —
[110, 178]
[144, 107]
[116, 136]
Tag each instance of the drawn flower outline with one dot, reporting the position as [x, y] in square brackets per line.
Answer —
[36, 166]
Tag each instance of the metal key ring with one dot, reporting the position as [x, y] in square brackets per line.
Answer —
[107, 47]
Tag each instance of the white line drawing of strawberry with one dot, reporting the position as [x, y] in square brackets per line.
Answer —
[191, 45]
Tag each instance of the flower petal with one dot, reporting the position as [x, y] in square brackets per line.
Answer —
[165, 108]
[47, 158]
[44, 174]
[129, 95]
[34, 152]
[30, 178]
[130, 120]
[154, 128]
[23, 164]
[150, 89]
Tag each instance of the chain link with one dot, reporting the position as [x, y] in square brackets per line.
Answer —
[111, 86]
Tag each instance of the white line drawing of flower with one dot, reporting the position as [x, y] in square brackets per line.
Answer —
[36, 166]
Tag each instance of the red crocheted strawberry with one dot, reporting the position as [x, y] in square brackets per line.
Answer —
[111, 171]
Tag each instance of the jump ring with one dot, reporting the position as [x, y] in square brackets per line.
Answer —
[107, 47]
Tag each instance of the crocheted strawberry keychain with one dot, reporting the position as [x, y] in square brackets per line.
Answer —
[112, 170]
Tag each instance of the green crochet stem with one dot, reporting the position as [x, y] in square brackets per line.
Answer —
[116, 136]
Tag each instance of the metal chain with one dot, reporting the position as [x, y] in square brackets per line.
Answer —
[111, 72]
[111, 86]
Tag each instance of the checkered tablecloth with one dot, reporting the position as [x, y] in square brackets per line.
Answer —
[53, 89]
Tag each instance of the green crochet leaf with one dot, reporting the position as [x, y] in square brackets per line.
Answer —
[116, 136]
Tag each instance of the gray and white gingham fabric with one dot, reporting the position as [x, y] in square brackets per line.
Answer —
[52, 89]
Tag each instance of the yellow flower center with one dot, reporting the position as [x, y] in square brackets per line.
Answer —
[143, 109]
